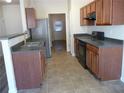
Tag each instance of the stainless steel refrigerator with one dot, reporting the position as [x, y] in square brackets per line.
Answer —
[41, 32]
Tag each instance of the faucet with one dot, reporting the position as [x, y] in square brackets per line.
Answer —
[25, 38]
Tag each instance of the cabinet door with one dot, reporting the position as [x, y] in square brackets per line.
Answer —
[118, 12]
[95, 63]
[99, 12]
[93, 7]
[30, 17]
[43, 65]
[27, 69]
[88, 9]
[88, 58]
[107, 12]
[85, 15]
[81, 16]
[92, 57]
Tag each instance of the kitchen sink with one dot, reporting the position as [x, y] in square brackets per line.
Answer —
[32, 44]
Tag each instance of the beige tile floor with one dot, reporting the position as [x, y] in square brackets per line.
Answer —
[65, 75]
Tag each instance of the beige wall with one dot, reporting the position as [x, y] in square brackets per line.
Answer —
[44, 7]
[2, 25]
[12, 19]
[2, 32]
[24, 4]
[75, 20]
[27, 3]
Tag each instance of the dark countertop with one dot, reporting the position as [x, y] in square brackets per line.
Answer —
[11, 36]
[108, 42]
[36, 46]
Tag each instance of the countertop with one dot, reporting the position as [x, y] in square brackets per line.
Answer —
[39, 45]
[108, 42]
[11, 36]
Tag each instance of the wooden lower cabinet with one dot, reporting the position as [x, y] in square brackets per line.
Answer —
[29, 67]
[104, 63]
[92, 59]
[95, 63]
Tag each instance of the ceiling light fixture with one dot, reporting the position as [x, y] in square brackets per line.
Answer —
[8, 1]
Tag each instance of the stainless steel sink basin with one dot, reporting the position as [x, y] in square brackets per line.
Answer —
[32, 44]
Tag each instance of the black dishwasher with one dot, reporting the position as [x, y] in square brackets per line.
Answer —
[82, 53]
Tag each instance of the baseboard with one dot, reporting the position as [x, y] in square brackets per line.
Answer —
[73, 54]
[122, 79]
[12, 91]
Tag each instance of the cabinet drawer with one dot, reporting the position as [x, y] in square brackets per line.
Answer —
[93, 48]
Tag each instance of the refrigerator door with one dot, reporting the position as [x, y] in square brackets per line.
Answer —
[41, 32]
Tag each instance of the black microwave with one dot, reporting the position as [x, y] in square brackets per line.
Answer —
[96, 35]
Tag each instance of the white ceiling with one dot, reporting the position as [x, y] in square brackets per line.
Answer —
[3, 2]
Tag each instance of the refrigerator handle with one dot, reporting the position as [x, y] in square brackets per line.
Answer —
[44, 44]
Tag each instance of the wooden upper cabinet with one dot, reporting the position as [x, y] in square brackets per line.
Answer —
[99, 13]
[118, 12]
[85, 11]
[93, 7]
[30, 17]
[81, 17]
[107, 12]
[85, 15]
[88, 9]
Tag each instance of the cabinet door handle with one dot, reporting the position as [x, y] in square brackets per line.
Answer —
[44, 44]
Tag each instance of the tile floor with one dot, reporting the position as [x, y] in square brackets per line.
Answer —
[65, 75]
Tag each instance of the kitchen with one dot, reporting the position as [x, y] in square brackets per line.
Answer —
[74, 8]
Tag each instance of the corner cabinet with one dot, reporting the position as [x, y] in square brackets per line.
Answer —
[29, 67]
[30, 17]
[104, 63]
[84, 12]
[109, 12]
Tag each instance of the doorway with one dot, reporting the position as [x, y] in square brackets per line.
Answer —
[58, 31]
